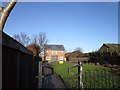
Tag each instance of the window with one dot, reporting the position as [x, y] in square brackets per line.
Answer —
[56, 52]
[55, 58]
[47, 57]
[46, 51]
[61, 57]
[61, 51]
[52, 52]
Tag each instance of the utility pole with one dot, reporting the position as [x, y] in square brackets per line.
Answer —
[5, 11]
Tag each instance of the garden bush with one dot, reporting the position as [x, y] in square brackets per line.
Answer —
[101, 57]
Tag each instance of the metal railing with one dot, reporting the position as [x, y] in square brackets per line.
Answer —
[104, 78]
[79, 75]
[93, 78]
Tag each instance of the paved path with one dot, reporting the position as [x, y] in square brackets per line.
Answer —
[52, 81]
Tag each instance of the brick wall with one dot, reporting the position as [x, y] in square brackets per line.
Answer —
[54, 53]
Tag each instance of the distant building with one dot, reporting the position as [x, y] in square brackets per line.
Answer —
[54, 53]
[35, 48]
[67, 55]
[108, 47]
[76, 55]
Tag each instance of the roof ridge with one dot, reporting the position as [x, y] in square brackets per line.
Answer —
[55, 47]
[111, 44]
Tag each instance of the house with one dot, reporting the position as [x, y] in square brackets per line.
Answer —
[75, 56]
[109, 47]
[35, 48]
[67, 56]
[72, 57]
[53, 53]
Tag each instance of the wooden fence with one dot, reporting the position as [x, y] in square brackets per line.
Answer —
[19, 66]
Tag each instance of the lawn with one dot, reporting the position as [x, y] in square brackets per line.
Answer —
[92, 78]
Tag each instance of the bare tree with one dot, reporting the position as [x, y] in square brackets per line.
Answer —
[41, 40]
[23, 38]
[5, 12]
[79, 49]
[34, 39]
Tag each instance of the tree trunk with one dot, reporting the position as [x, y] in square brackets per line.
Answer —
[5, 13]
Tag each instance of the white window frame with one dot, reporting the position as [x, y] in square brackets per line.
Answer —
[47, 51]
[56, 52]
[52, 52]
[61, 58]
[47, 58]
[62, 51]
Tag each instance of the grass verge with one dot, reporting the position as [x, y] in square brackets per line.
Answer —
[93, 76]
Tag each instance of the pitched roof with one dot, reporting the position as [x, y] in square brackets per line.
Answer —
[111, 47]
[54, 47]
[109, 44]
[67, 54]
[74, 54]
[77, 55]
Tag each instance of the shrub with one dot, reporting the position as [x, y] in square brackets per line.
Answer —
[101, 57]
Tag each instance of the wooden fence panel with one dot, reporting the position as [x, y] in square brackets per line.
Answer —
[9, 70]
[19, 67]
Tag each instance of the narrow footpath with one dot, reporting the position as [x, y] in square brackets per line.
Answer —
[52, 81]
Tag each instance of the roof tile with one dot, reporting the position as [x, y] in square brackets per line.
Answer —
[54, 47]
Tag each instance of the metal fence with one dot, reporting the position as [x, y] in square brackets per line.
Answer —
[19, 67]
[104, 78]
[94, 78]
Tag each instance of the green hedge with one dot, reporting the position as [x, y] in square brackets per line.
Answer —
[101, 57]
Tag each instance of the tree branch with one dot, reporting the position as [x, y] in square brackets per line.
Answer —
[5, 13]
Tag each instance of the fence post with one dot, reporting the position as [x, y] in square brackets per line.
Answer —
[80, 83]
[40, 74]
[79, 74]
[18, 69]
